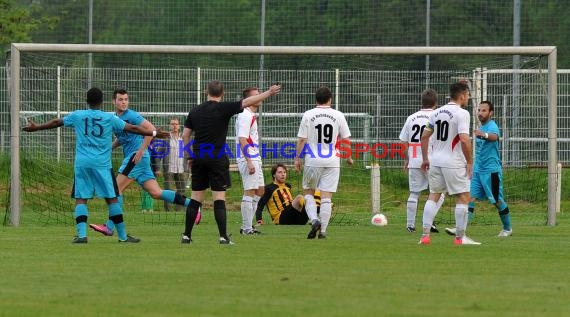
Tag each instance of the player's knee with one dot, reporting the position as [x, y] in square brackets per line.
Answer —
[116, 218]
[413, 198]
[156, 194]
[80, 219]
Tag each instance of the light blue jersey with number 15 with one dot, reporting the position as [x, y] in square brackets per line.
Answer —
[94, 136]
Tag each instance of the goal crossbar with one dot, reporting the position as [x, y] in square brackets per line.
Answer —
[17, 48]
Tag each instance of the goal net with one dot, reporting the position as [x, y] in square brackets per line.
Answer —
[376, 88]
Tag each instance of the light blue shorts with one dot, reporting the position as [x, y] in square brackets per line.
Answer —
[87, 180]
[141, 172]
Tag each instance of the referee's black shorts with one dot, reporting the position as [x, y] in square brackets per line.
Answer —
[211, 172]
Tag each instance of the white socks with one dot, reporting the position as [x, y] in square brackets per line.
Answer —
[246, 212]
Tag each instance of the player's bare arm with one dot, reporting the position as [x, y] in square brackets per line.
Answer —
[244, 145]
[484, 135]
[52, 124]
[425, 145]
[349, 159]
[116, 144]
[142, 131]
[255, 99]
[146, 142]
[300, 145]
[466, 149]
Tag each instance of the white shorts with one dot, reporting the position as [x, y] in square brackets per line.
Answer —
[322, 178]
[450, 180]
[253, 181]
[418, 180]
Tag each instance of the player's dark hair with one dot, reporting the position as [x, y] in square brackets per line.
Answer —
[491, 105]
[275, 167]
[323, 95]
[245, 93]
[94, 97]
[429, 98]
[119, 91]
[458, 88]
[215, 88]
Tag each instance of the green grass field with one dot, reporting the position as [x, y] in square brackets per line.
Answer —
[360, 270]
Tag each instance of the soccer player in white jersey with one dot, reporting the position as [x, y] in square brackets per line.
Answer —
[417, 178]
[450, 163]
[249, 162]
[319, 134]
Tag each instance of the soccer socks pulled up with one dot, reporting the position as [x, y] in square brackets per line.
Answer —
[440, 201]
[246, 212]
[254, 203]
[326, 211]
[505, 216]
[221, 217]
[80, 213]
[430, 211]
[471, 210]
[110, 224]
[412, 209]
[191, 214]
[116, 216]
[311, 207]
[460, 220]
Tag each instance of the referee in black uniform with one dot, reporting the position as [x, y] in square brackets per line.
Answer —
[208, 160]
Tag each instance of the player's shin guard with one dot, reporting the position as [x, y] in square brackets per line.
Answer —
[168, 195]
[326, 211]
[412, 209]
[504, 215]
[254, 203]
[221, 217]
[471, 210]
[311, 207]
[246, 212]
[80, 213]
[116, 215]
[110, 224]
[430, 211]
[460, 220]
[191, 214]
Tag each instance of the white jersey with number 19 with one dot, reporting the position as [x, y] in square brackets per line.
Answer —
[447, 123]
[323, 127]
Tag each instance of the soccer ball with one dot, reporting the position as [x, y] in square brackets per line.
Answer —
[379, 220]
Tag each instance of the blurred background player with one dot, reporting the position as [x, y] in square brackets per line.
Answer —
[319, 133]
[136, 163]
[92, 170]
[487, 181]
[282, 207]
[249, 162]
[417, 178]
[450, 163]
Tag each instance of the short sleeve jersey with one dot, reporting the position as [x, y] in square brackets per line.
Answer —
[323, 127]
[246, 127]
[487, 155]
[94, 136]
[209, 123]
[447, 123]
[131, 142]
[411, 134]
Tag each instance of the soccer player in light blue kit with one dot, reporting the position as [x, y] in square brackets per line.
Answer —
[487, 181]
[93, 171]
[136, 163]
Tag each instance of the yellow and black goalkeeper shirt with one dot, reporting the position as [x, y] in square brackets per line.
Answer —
[278, 197]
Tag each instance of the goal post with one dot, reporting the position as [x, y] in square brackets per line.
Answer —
[18, 48]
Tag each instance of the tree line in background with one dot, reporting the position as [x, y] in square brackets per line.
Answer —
[294, 22]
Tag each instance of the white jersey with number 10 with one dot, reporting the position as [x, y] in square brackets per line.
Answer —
[447, 123]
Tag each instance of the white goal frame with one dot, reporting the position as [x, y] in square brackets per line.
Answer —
[17, 48]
